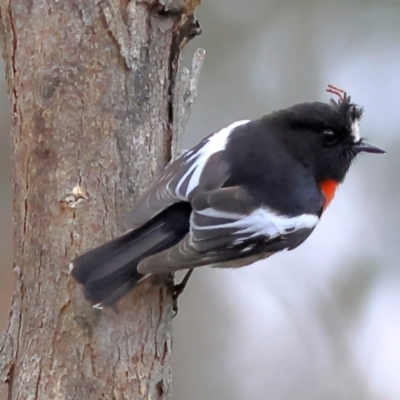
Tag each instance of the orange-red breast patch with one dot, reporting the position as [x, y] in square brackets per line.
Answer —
[328, 188]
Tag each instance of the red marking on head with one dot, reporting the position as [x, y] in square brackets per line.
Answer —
[338, 92]
[328, 188]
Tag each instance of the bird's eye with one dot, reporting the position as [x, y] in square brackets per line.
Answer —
[330, 138]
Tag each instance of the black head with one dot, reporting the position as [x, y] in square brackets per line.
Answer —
[325, 137]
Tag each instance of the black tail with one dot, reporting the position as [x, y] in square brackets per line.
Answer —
[109, 271]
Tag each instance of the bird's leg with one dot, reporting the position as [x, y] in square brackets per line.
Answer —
[178, 290]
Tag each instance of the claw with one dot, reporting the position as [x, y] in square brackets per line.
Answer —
[178, 290]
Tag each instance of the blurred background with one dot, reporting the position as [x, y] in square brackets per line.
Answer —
[323, 321]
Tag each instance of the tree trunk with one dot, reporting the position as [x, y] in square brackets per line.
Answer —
[94, 99]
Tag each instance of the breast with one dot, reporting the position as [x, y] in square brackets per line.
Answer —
[328, 188]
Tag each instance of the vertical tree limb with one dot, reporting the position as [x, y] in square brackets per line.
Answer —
[93, 102]
[186, 92]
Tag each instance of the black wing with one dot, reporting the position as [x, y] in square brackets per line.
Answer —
[200, 169]
[228, 224]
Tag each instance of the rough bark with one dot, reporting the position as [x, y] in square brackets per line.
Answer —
[92, 86]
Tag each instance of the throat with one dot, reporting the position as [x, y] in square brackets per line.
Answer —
[328, 188]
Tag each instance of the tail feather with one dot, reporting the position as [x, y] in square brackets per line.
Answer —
[119, 293]
[109, 271]
[109, 290]
[111, 256]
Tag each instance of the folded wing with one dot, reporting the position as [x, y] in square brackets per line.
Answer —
[200, 169]
[228, 224]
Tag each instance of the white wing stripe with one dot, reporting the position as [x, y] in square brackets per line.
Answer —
[260, 222]
[214, 144]
[181, 177]
[182, 181]
[211, 212]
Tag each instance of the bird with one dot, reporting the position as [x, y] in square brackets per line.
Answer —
[248, 191]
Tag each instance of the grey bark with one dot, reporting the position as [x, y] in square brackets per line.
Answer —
[92, 88]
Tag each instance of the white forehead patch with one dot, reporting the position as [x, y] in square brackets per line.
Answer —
[355, 130]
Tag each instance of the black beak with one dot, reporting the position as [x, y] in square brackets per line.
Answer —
[365, 147]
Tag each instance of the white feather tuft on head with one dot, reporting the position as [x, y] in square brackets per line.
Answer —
[355, 130]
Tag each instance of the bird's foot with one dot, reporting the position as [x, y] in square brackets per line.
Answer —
[178, 290]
